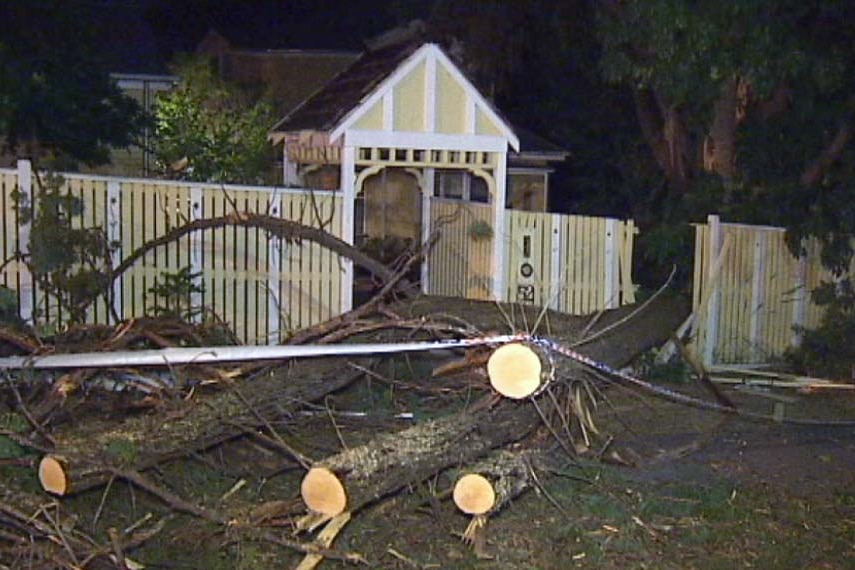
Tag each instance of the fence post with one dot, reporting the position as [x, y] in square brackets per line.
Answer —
[612, 291]
[712, 320]
[799, 301]
[348, 220]
[114, 236]
[555, 264]
[758, 295]
[427, 191]
[26, 287]
[500, 243]
[196, 246]
[274, 272]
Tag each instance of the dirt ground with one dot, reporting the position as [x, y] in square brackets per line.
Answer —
[693, 489]
[705, 492]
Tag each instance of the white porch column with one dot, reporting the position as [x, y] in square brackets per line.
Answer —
[427, 195]
[348, 194]
[290, 177]
[114, 235]
[499, 249]
[712, 317]
[26, 293]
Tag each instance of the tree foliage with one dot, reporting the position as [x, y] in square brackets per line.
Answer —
[56, 97]
[746, 108]
[207, 130]
[70, 264]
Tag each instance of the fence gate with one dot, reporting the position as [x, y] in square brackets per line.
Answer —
[573, 264]
[460, 262]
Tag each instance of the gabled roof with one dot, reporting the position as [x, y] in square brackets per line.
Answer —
[356, 91]
[535, 146]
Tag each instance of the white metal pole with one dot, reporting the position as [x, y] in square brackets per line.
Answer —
[219, 354]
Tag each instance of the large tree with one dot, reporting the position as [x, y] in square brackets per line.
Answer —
[745, 106]
[56, 97]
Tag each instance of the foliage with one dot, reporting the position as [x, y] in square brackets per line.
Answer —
[8, 306]
[770, 80]
[15, 423]
[207, 130]
[173, 293]
[56, 96]
[480, 231]
[71, 264]
[829, 351]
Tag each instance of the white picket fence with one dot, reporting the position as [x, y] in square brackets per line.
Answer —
[573, 264]
[261, 286]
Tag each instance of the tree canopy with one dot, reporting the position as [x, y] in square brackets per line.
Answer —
[56, 97]
[746, 107]
[208, 130]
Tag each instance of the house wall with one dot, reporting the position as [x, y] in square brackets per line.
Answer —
[408, 96]
[450, 103]
[135, 160]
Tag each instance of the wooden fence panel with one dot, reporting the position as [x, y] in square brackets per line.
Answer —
[9, 237]
[747, 305]
[461, 261]
[529, 258]
[261, 287]
[574, 264]
[310, 288]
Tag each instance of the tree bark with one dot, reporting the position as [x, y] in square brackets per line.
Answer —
[393, 461]
[91, 453]
[723, 132]
[666, 135]
[814, 173]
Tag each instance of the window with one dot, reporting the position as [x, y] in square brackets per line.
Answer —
[449, 184]
[460, 185]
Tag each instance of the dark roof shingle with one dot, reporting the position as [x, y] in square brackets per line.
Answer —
[323, 110]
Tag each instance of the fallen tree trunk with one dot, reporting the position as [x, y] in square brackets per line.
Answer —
[393, 461]
[88, 455]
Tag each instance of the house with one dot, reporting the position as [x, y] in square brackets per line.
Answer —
[288, 76]
[138, 161]
[311, 157]
[403, 126]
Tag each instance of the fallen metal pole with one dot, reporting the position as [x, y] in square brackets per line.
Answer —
[218, 354]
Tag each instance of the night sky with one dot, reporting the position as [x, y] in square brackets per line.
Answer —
[142, 35]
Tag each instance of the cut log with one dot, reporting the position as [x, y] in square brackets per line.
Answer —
[393, 461]
[52, 475]
[323, 493]
[508, 473]
[514, 371]
[474, 495]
